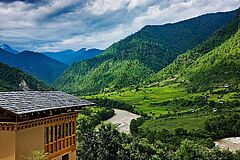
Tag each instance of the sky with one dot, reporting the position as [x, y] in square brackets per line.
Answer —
[55, 25]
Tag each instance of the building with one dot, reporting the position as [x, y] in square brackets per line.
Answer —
[43, 121]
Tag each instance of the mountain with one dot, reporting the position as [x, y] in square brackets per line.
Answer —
[9, 49]
[135, 58]
[182, 68]
[12, 79]
[218, 67]
[70, 56]
[35, 64]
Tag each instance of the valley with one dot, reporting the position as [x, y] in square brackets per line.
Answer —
[165, 92]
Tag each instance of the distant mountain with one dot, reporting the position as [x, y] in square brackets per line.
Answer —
[12, 79]
[135, 58]
[215, 61]
[70, 56]
[35, 64]
[8, 48]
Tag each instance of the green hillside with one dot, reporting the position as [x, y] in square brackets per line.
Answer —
[204, 70]
[135, 58]
[214, 61]
[218, 67]
[11, 78]
[169, 108]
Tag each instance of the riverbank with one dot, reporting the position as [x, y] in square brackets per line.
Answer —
[232, 143]
[122, 120]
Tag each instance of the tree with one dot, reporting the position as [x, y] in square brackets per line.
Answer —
[190, 150]
[35, 155]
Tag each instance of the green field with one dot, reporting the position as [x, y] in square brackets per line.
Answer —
[147, 100]
[188, 122]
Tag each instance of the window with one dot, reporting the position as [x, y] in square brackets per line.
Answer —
[73, 127]
[51, 134]
[56, 131]
[46, 135]
[63, 131]
[65, 157]
[59, 131]
[66, 131]
[59, 136]
[70, 128]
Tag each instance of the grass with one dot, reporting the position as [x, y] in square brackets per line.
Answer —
[188, 122]
[147, 100]
[225, 97]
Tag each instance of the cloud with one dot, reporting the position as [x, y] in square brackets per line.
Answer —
[54, 25]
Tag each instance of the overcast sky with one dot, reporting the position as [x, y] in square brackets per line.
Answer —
[53, 25]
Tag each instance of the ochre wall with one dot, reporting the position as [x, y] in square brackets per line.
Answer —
[7, 145]
[30, 139]
[73, 155]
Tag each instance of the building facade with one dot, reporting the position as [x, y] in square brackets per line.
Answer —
[38, 121]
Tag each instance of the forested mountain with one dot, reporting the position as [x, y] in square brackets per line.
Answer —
[209, 62]
[12, 79]
[35, 64]
[133, 59]
[218, 67]
[70, 56]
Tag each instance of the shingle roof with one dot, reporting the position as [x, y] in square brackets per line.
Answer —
[34, 101]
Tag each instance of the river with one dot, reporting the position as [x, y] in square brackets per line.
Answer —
[232, 143]
[122, 120]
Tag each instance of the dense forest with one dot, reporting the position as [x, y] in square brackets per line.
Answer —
[106, 142]
[133, 59]
[215, 54]
[12, 78]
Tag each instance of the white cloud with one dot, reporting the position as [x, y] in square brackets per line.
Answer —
[137, 3]
[63, 24]
[99, 7]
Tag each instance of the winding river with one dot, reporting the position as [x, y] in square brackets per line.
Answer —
[232, 143]
[122, 120]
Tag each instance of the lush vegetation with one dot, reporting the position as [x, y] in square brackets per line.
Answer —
[153, 100]
[34, 64]
[213, 61]
[183, 112]
[11, 78]
[93, 116]
[133, 59]
[105, 142]
[218, 67]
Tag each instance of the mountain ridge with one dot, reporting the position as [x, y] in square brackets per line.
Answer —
[69, 56]
[13, 79]
[178, 68]
[35, 64]
[143, 50]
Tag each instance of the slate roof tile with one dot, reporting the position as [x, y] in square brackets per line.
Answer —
[32, 101]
